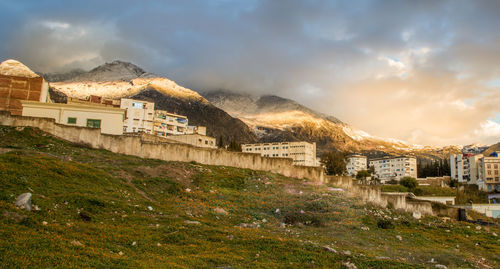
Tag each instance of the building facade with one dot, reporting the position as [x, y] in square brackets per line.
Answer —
[388, 168]
[169, 123]
[489, 173]
[460, 165]
[196, 140]
[108, 119]
[139, 116]
[302, 153]
[18, 83]
[356, 163]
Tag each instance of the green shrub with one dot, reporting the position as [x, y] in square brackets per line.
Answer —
[394, 188]
[409, 182]
[385, 224]
[304, 218]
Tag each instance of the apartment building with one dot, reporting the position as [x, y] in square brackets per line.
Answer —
[166, 123]
[302, 153]
[489, 172]
[460, 167]
[356, 163]
[139, 116]
[389, 167]
[107, 118]
[197, 140]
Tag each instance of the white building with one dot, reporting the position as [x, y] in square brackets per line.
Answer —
[460, 167]
[302, 153]
[388, 168]
[109, 119]
[356, 163]
[139, 117]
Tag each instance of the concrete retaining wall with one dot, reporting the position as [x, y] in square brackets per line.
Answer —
[374, 195]
[148, 147]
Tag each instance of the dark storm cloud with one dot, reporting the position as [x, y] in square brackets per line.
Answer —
[417, 58]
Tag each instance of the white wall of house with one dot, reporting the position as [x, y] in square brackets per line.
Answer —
[356, 163]
[302, 153]
[388, 168]
[197, 140]
[139, 117]
[109, 119]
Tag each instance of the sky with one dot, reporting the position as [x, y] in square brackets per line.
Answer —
[427, 72]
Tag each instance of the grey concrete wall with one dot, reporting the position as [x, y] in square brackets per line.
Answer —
[373, 194]
[148, 147]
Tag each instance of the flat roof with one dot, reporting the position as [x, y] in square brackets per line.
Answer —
[74, 105]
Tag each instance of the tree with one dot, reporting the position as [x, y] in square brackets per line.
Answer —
[334, 163]
[409, 182]
[234, 146]
[362, 175]
[221, 142]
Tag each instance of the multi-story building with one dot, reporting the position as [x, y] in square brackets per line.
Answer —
[18, 83]
[107, 118]
[388, 168]
[489, 173]
[139, 117]
[460, 167]
[302, 153]
[355, 163]
[169, 123]
[196, 140]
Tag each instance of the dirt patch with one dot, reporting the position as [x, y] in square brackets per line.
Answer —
[128, 178]
[5, 150]
[179, 172]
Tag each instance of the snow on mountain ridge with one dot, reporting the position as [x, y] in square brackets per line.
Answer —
[15, 68]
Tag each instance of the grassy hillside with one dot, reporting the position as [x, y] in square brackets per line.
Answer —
[100, 209]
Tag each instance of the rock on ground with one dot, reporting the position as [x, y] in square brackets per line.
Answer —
[23, 201]
[350, 265]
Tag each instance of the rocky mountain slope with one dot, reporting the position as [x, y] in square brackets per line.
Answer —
[273, 118]
[120, 79]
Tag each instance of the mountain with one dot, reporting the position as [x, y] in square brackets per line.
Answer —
[121, 79]
[273, 118]
[491, 149]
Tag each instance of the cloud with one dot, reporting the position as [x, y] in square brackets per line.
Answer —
[415, 70]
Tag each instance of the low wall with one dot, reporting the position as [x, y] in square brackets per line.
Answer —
[374, 195]
[147, 147]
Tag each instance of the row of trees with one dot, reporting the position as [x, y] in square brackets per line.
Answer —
[232, 146]
[437, 168]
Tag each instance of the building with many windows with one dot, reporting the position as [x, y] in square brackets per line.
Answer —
[489, 173]
[356, 163]
[302, 153]
[166, 123]
[389, 167]
[139, 117]
[460, 167]
[109, 119]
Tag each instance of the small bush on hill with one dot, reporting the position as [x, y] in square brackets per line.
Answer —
[385, 224]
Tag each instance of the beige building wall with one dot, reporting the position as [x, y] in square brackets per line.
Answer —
[197, 140]
[489, 172]
[302, 153]
[139, 115]
[78, 114]
[169, 123]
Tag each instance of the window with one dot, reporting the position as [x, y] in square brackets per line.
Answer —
[93, 123]
[137, 105]
[71, 120]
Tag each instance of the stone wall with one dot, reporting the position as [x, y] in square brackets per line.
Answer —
[147, 147]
